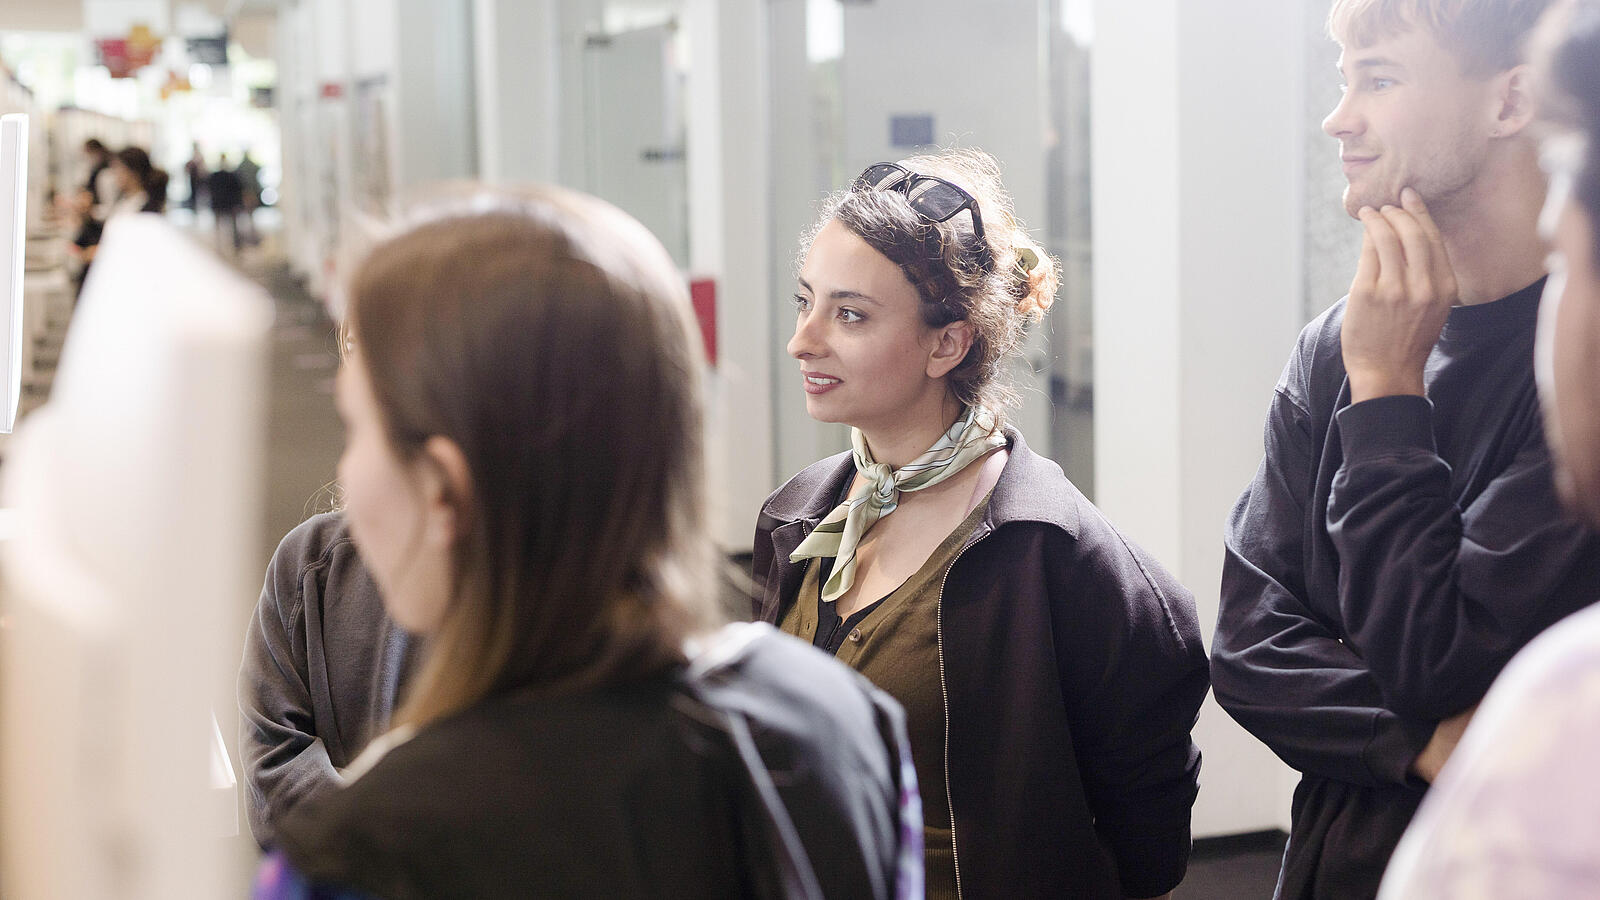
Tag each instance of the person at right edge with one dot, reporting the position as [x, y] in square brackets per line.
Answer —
[1402, 538]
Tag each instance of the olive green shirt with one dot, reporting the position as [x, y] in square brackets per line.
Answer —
[896, 646]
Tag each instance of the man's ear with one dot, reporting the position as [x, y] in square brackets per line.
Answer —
[447, 495]
[1514, 105]
[950, 348]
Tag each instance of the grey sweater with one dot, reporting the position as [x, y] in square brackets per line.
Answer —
[323, 666]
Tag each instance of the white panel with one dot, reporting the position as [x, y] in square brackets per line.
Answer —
[635, 131]
[730, 240]
[433, 78]
[517, 96]
[1197, 225]
[13, 233]
[1137, 283]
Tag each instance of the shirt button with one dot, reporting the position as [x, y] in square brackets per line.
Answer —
[855, 634]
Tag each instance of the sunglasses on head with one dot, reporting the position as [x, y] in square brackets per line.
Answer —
[932, 198]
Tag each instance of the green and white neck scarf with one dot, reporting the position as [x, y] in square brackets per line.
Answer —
[841, 531]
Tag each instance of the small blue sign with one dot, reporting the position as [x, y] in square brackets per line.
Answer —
[910, 131]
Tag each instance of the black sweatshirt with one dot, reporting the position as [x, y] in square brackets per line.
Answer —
[323, 669]
[686, 784]
[1386, 562]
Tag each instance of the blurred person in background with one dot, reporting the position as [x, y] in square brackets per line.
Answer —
[524, 479]
[1051, 671]
[1513, 814]
[98, 181]
[141, 186]
[156, 187]
[1399, 543]
[249, 196]
[195, 172]
[227, 201]
[86, 231]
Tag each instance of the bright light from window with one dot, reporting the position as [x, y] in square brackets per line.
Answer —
[1077, 19]
[824, 30]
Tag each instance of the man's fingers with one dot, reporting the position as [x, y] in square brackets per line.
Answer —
[1367, 269]
[1391, 257]
[1418, 276]
[1443, 274]
[1411, 202]
[1413, 240]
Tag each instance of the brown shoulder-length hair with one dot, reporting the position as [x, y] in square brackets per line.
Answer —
[548, 335]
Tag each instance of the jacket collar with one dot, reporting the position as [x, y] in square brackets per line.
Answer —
[1031, 489]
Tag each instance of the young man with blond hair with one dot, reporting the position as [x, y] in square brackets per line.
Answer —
[1402, 538]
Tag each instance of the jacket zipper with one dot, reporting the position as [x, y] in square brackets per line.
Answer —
[944, 690]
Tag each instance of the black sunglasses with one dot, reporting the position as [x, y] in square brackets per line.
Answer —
[932, 198]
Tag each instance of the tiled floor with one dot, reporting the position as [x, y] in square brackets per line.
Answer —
[1242, 867]
[305, 436]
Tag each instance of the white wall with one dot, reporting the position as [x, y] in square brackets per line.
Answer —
[435, 116]
[516, 66]
[1198, 223]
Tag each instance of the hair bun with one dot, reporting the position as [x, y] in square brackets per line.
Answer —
[1038, 279]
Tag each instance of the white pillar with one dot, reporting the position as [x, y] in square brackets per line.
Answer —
[517, 53]
[436, 123]
[730, 241]
[1198, 223]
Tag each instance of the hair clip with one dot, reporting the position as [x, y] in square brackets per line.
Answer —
[1027, 261]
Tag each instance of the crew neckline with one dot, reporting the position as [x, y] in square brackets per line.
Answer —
[1487, 320]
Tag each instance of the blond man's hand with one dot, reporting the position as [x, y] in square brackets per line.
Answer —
[1402, 294]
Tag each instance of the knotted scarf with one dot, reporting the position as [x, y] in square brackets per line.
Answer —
[841, 531]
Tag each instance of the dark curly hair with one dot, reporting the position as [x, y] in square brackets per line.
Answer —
[997, 292]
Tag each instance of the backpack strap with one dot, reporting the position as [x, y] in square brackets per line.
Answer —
[760, 802]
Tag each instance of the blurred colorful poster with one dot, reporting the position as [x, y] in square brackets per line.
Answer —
[123, 56]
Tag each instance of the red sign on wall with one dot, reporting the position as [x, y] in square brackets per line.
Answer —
[703, 292]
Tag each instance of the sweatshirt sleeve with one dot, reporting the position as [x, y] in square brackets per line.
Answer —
[1134, 675]
[1277, 667]
[1438, 598]
[284, 760]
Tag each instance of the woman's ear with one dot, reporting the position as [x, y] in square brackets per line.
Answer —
[951, 346]
[446, 492]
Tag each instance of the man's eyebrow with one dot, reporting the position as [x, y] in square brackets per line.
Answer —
[1368, 62]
